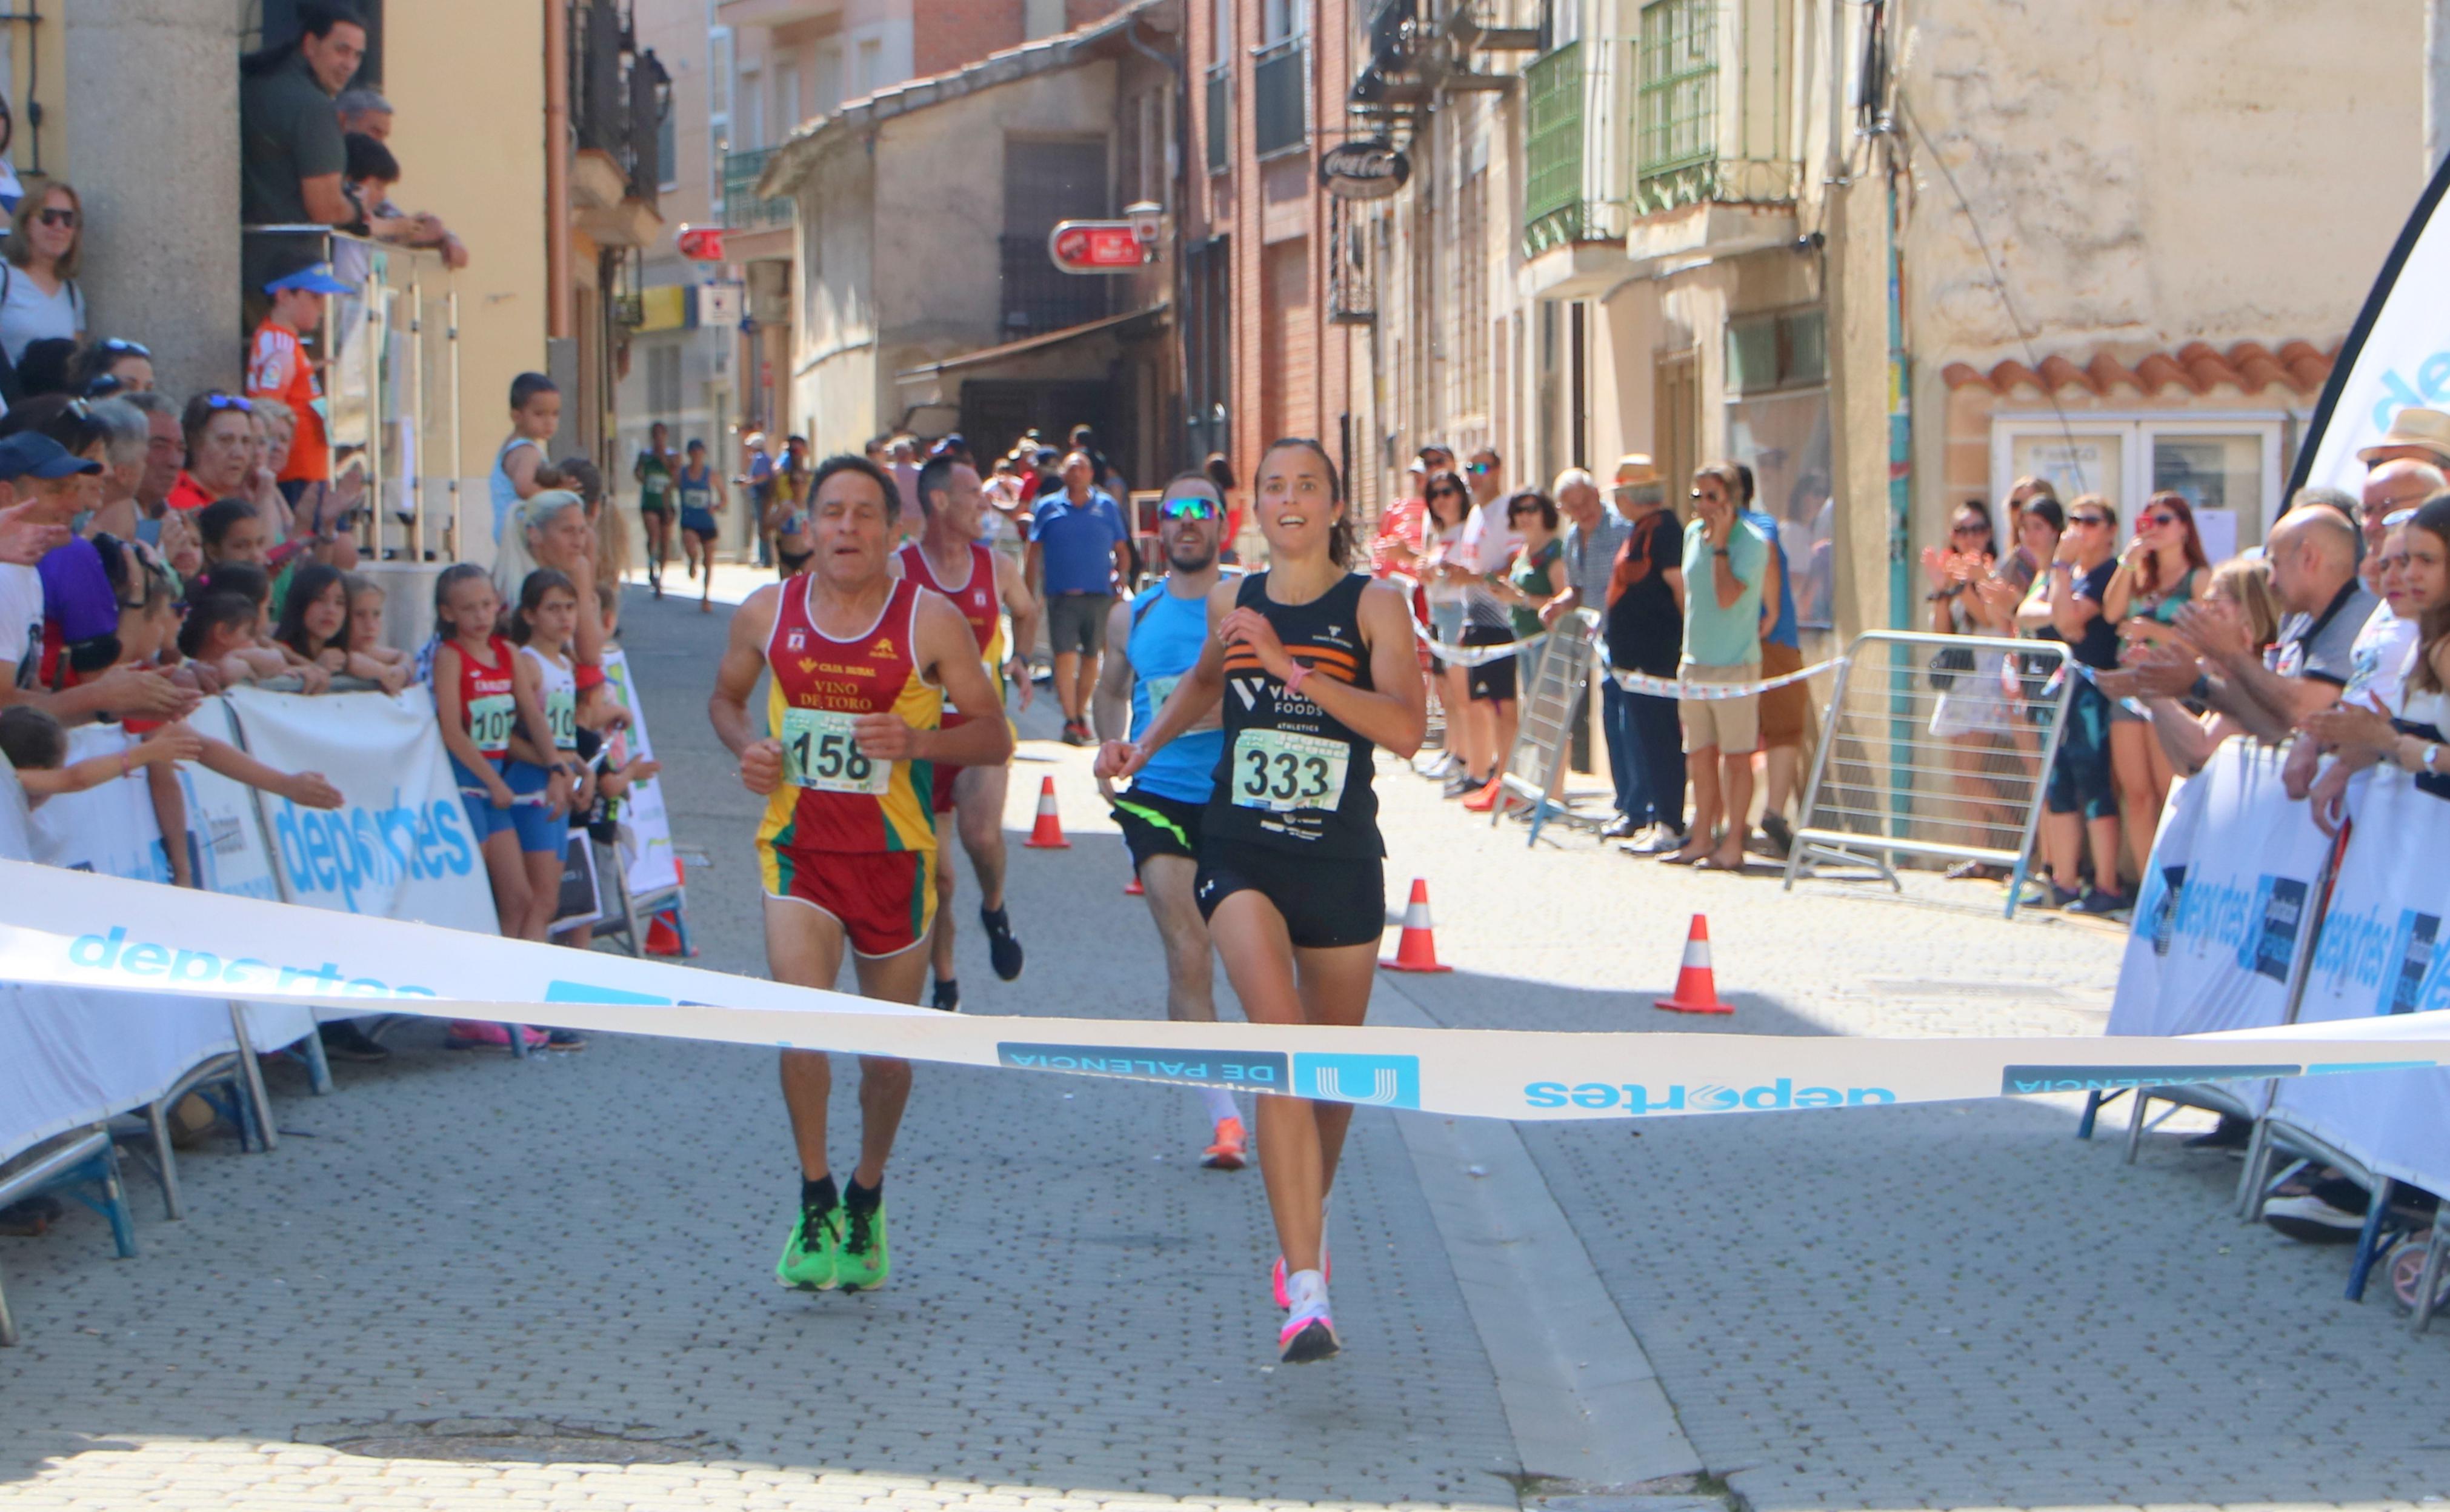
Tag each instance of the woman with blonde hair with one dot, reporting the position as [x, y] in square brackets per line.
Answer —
[38, 264]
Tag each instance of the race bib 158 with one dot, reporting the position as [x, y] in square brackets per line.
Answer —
[819, 752]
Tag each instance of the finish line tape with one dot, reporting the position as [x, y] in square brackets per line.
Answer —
[1631, 682]
[80, 930]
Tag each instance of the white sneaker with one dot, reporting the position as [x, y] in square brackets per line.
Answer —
[1309, 1333]
[2313, 1221]
[1441, 765]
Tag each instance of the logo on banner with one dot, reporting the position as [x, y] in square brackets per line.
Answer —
[1374, 1081]
[2271, 947]
[1637, 1099]
[342, 852]
[2159, 908]
[2417, 962]
[1210, 1068]
[2018, 1079]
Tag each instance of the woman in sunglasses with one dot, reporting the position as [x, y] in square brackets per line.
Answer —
[2159, 574]
[1443, 585]
[38, 263]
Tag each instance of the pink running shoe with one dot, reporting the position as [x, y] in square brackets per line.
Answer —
[1277, 1276]
[468, 1034]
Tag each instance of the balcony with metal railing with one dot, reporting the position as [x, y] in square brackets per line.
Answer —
[743, 208]
[1280, 97]
[1713, 120]
[1038, 297]
[1566, 196]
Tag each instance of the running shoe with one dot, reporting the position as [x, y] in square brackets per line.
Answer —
[1460, 783]
[862, 1264]
[2098, 904]
[1074, 732]
[2311, 1220]
[1277, 1276]
[469, 1034]
[948, 996]
[1309, 1334]
[1003, 952]
[810, 1263]
[343, 1041]
[1228, 1153]
[1487, 798]
[564, 1039]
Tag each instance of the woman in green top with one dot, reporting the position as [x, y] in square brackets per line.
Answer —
[653, 472]
[1533, 578]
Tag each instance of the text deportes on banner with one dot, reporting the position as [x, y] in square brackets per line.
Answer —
[85, 931]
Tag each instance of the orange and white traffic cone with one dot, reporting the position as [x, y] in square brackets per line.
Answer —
[1697, 986]
[1048, 832]
[1417, 948]
[1133, 889]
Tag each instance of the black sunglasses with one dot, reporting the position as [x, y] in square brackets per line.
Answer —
[2087, 519]
[53, 217]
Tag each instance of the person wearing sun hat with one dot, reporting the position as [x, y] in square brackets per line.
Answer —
[279, 368]
[2422, 434]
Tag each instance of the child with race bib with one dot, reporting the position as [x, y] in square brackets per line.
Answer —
[551, 780]
[483, 691]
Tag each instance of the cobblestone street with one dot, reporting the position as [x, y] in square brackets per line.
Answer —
[465, 1282]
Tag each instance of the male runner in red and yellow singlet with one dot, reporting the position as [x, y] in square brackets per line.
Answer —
[862, 664]
[985, 587]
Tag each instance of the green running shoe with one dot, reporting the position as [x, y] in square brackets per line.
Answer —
[860, 1264]
[812, 1263]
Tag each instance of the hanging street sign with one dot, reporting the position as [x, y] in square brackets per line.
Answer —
[1097, 246]
[1372, 169]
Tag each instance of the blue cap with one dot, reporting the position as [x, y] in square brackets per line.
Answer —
[315, 277]
[31, 453]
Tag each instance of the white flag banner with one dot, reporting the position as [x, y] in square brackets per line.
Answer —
[646, 832]
[400, 845]
[2397, 355]
[101, 932]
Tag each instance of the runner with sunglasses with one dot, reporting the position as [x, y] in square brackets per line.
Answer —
[1161, 632]
[1321, 666]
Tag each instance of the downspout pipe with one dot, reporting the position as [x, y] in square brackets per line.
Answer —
[562, 302]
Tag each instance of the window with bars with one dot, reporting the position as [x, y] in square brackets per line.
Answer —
[1221, 118]
[1677, 105]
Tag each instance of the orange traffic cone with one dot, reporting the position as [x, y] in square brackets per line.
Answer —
[662, 939]
[1133, 889]
[1048, 833]
[1697, 986]
[1417, 948]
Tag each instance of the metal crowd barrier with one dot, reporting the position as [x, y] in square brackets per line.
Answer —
[1936, 747]
[1551, 690]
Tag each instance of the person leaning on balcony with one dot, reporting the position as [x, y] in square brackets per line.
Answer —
[292, 162]
[39, 299]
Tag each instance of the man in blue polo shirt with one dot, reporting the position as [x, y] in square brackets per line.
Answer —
[1077, 558]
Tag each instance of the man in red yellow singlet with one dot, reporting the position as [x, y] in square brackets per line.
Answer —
[985, 587]
[862, 664]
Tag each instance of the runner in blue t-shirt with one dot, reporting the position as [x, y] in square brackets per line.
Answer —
[1161, 630]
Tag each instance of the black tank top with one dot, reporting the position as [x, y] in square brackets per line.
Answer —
[1293, 776]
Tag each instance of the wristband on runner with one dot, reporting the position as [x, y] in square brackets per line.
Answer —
[1292, 682]
[587, 675]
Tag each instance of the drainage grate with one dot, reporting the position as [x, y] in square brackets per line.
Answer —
[521, 1440]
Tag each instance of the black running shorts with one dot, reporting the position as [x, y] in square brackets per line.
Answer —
[1327, 900]
[1154, 825]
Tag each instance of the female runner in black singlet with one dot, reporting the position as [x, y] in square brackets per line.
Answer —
[1316, 667]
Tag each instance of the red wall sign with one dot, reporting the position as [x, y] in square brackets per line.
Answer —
[1096, 246]
[700, 243]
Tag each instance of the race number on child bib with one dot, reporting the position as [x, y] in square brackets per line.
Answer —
[490, 718]
[561, 717]
[819, 752]
[1276, 769]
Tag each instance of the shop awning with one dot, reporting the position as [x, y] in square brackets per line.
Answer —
[1119, 324]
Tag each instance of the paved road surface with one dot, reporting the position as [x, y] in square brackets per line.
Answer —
[466, 1282]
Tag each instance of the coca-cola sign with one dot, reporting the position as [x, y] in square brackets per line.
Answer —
[1374, 169]
[1097, 246]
